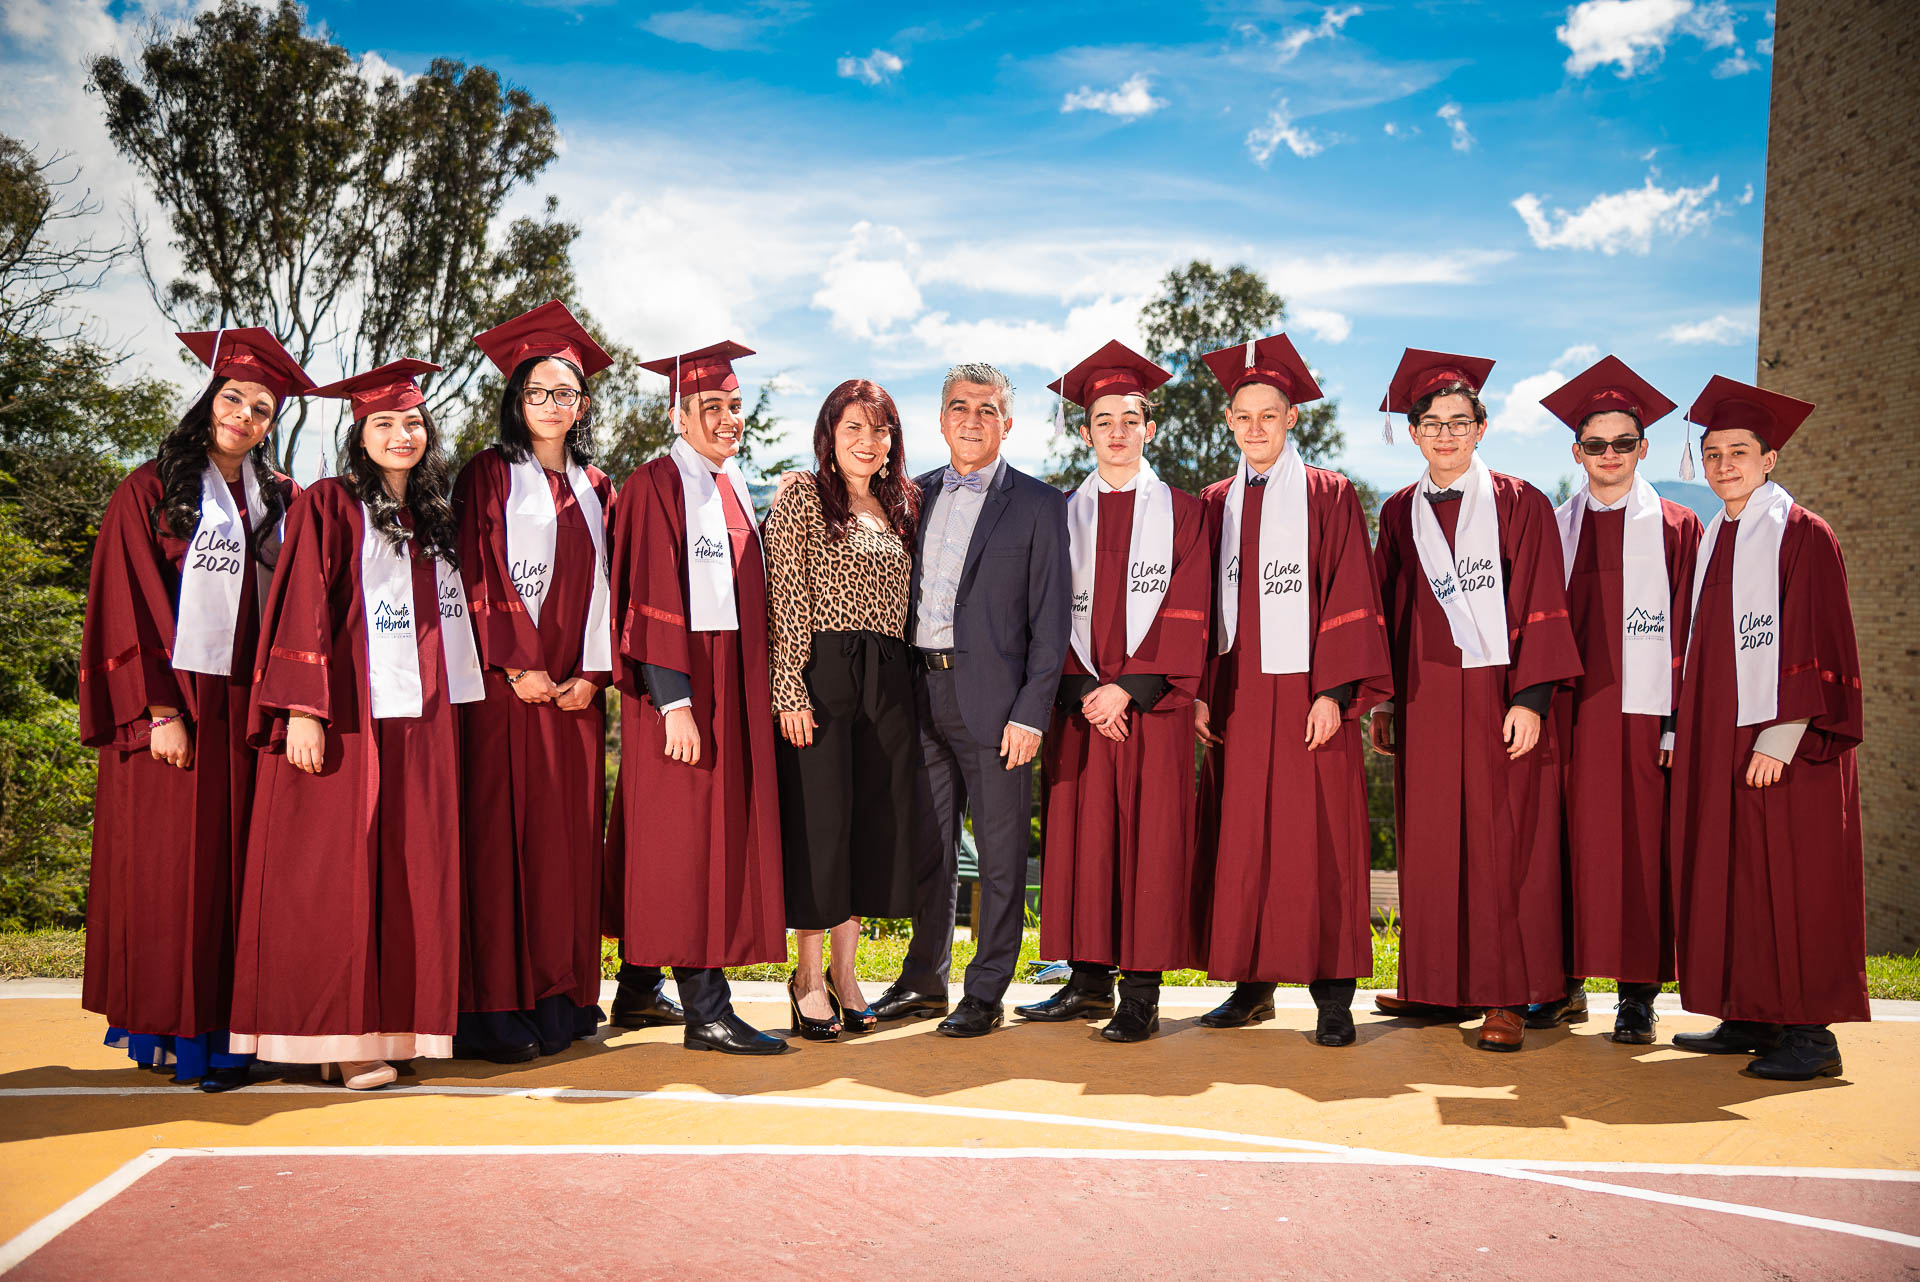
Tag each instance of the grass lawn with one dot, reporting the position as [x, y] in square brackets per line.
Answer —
[57, 954]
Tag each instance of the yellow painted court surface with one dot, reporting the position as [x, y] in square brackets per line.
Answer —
[1570, 1096]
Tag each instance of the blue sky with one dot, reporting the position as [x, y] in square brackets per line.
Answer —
[879, 191]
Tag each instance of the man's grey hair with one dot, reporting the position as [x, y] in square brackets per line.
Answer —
[980, 372]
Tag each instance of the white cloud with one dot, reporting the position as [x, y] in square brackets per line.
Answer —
[374, 69]
[1450, 112]
[1734, 64]
[1722, 330]
[723, 32]
[1631, 35]
[1764, 45]
[1521, 413]
[1624, 220]
[1029, 343]
[1289, 46]
[868, 286]
[1396, 130]
[872, 69]
[1357, 279]
[1132, 100]
[1323, 323]
[1264, 140]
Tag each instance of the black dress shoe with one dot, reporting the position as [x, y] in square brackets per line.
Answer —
[1732, 1037]
[644, 1008]
[1401, 1008]
[1633, 1022]
[1071, 1002]
[1802, 1055]
[497, 1054]
[1335, 1027]
[220, 1080]
[1570, 1009]
[1247, 1004]
[1135, 1021]
[973, 1018]
[900, 1002]
[732, 1035]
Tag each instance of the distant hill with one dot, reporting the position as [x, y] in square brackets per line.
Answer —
[1704, 502]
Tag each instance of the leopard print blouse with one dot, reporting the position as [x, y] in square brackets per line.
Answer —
[818, 584]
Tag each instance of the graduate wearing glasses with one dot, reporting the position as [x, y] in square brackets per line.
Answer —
[1476, 606]
[1629, 563]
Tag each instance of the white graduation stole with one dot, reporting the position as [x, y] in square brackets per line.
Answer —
[1285, 622]
[533, 531]
[1467, 580]
[1646, 598]
[212, 574]
[393, 654]
[710, 603]
[1149, 556]
[1756, 599]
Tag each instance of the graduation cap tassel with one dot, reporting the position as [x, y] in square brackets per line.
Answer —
[1686, 461]
[1386, 428]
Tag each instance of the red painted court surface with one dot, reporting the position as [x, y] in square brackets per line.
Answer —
[1040, 1151]
[631, 1216]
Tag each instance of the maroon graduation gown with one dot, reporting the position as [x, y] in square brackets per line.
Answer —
[1619, 908]
[1118, 882]
[168, 844]
[1769, 881]
[694, 875]
[350, 914]
[1479, 846]
[533, 779]
[1284, 831]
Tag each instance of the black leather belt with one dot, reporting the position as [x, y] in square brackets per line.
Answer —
[937, 660]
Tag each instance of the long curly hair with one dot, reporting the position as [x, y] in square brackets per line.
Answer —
[429, 493]
[516, 439]
[182, 462]
[896, 492]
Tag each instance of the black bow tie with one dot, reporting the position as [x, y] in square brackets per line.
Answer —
[1255, 482]
[1443, 496]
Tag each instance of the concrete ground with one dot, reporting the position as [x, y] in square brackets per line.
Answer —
[1038, 1151]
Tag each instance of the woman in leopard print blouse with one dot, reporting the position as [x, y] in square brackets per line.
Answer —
[839, 553]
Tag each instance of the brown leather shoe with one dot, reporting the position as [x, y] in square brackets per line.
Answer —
[1504, 1030]
[1401, 1008]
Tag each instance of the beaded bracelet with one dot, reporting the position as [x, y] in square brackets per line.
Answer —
[157, 722]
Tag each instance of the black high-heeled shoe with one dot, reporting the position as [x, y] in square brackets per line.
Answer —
[814, 1030]
[864, 1020]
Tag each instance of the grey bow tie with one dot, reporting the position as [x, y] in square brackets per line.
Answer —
[952, 480]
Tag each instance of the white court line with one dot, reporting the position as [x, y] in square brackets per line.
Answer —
[1308, 1150]
[49, 1227]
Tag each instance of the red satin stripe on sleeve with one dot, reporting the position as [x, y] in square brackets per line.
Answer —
[128, 655]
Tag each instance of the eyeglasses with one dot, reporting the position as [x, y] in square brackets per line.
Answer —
[565, 397]
[1431, 427]
[1594, 447]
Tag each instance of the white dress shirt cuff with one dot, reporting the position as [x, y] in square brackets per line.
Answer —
[1780, 741]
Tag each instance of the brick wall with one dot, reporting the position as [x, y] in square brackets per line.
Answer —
[1839, 297]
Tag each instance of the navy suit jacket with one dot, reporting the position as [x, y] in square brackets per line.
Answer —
[1012, 613]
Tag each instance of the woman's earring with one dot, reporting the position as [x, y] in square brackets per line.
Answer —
[883, 471]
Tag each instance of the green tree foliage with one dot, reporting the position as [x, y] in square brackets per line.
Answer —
[1200, 309]
[337, 212]
[66, 434]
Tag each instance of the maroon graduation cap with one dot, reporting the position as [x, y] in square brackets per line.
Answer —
[547, 330]
[709, 369]
[386, 390]
[1114, 370]
[249, 355]
[1607, 385]
[1271, 360]
[1725, 404]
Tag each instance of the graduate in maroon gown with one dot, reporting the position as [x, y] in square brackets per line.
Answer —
[695, 879]
[1300, 655]
[1766, 795]
[1118, 873]
[173, 609]
[348, 951]
[1629, 565]
[1476, 605]
[533, 779]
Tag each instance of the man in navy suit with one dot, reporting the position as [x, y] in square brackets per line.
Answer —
[988, 616]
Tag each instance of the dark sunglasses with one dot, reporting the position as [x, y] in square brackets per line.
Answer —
[1619, 445]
